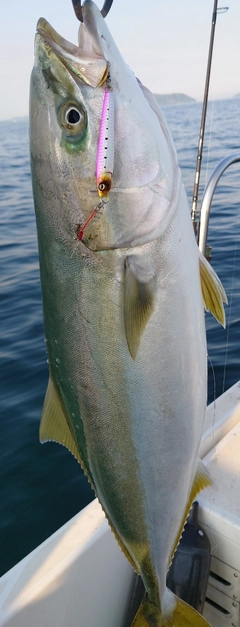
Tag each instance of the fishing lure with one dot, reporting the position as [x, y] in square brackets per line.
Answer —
[105, 157]
[105, 152]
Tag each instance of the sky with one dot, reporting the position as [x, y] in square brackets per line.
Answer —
[165, 42]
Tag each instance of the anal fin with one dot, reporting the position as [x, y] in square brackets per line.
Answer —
[202, 480]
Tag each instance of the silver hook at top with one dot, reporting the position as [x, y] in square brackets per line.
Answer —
[78, 8]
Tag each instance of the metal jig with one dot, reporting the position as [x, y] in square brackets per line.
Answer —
[78, 8]
[105, 151]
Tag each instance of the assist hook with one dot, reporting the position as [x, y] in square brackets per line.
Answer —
[78, 8]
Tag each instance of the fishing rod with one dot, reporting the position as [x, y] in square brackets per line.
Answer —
[203, 117]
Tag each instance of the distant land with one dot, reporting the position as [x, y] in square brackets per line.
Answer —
[237, 95]
[169, 99]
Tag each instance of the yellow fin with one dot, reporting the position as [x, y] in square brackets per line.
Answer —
[212, 290]
[147, 615]
[54, 423]
[202, 480]
[54, 427]
[183, 615]
[138, 303]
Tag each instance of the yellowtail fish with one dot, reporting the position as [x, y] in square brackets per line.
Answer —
[123, 285]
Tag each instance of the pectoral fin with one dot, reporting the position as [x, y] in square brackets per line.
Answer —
[212, 290]
[138, 302]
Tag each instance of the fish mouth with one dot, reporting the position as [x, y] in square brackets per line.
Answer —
[131, 214]
[89, 66]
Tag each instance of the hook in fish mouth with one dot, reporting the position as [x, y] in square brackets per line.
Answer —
[78, 8]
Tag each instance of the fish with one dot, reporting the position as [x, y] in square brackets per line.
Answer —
[123, 287]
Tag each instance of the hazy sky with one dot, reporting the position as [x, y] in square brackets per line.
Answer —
[165, 42]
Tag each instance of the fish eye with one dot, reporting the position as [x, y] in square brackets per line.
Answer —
[72, 118]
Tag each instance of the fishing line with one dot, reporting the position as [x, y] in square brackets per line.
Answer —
[230, 304]
[214, 378]
[214, 387]
[214, 391]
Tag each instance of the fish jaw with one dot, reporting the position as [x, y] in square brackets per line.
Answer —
[145, 179]
[90, 68]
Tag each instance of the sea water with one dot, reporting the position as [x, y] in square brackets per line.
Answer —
[41, 487]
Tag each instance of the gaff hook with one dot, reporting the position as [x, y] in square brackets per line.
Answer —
[78, 8]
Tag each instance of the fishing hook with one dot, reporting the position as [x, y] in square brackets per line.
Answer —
[78, 8]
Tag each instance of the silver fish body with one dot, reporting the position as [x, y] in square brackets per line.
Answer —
[123, 306]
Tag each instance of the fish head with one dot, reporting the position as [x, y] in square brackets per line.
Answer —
[128, 201]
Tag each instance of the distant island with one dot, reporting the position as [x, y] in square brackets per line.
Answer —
[237, 95]
[169, 99]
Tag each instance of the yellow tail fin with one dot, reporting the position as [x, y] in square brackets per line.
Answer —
[183, 615]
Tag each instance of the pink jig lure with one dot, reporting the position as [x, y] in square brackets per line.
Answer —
[105, 157]
[105, 152]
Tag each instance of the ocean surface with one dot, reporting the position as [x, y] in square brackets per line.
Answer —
[43, 486]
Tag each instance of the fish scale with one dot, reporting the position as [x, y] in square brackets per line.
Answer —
[123, 298]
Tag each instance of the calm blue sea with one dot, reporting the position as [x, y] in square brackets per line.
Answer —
[43, 486]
